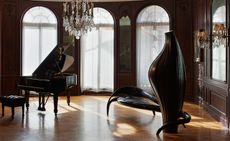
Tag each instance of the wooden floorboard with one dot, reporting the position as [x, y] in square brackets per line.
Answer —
[85, 120]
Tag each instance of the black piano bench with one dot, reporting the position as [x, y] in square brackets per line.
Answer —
[13, 101]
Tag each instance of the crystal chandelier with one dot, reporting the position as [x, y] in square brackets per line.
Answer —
[78, 17]
[218, 36]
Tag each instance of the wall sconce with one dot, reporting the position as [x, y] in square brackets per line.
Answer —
[200, 41]
[218, 36]
[202, 38]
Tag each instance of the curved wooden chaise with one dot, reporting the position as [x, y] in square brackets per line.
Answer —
[168, 79]
[134, 97]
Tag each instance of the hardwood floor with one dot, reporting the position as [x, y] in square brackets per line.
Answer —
[85, 120]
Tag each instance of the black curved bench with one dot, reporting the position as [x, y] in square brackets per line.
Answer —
[134, 97]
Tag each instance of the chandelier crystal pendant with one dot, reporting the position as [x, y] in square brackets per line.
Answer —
[78, 17]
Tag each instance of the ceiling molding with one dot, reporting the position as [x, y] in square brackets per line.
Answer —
[89, 0]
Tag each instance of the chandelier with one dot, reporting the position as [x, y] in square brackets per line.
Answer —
[219, 36]
[78, 17]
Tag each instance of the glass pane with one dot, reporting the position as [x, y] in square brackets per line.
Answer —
[152, 23]
[219, 63]
[97, 55]
[218, 43]
[38, 38]
[153, 14]
[30, 59]
[39, 14]
[48, 40]
[106, 59]
[102, 16]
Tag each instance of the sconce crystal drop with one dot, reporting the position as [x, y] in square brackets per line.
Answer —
[78, 17]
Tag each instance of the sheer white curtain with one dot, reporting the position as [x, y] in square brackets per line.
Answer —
[152, 23]
[97, 54]
[39, 37]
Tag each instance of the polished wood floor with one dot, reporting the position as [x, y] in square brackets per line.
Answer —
[85, 120]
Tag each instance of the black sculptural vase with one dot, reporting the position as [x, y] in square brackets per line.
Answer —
[168, 79]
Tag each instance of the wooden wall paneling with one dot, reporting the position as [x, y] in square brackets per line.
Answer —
[0, 46]
[216, 86]
[215, 105]
[215, 99]
[199, 22]
[77, 64]
[10, 63]
[184, 32]
[218, 102]
[207, 61]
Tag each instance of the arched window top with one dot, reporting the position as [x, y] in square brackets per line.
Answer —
[40, 14]
[219, 16]
[102, 16]
[152, 14]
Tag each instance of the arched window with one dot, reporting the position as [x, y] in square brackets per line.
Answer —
[39, 37]
[152, 23]
[97, 54]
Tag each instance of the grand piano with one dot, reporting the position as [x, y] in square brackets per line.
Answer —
[49, 79]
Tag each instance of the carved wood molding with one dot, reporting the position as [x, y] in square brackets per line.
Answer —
[9, 9]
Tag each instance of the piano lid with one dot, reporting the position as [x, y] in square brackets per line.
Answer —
[52, 64]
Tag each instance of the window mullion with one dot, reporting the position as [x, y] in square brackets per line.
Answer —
[40, 43]
[99, 58]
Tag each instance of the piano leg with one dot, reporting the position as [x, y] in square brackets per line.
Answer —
[41, 100]
[68, 97]
[55, 96]
[27, 94]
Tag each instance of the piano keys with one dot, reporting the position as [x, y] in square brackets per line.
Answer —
[49, 78]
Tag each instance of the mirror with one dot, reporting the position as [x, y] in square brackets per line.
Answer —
[125, 44]
[218, 41]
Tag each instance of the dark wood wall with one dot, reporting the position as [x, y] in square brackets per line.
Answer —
[10, 46]
[181, 13]
[184, 31]
[212, 94]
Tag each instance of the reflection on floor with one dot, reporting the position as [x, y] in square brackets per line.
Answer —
[85, 120]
